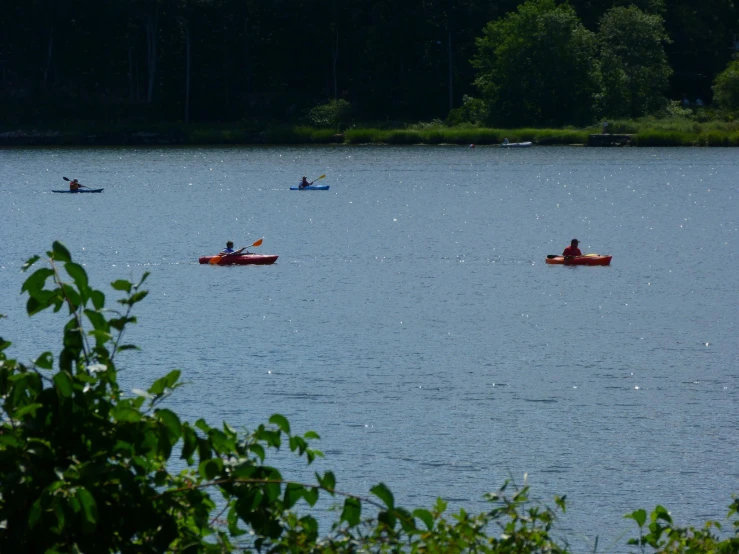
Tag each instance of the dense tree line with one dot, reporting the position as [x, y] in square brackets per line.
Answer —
[540, 65]
[242, 60]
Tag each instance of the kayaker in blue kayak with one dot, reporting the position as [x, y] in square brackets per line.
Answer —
[305, 183]
[75, 185]
[230, 249]
[572, 249]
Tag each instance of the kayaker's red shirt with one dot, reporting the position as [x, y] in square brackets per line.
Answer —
[572, 251]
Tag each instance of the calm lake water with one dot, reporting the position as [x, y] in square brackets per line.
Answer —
[411, 320]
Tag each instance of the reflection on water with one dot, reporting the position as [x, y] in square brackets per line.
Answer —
[410, 318]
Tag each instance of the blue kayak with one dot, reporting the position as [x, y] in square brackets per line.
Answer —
[311, 187]
[78, 191]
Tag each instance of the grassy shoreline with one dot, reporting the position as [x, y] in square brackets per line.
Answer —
[653, 132]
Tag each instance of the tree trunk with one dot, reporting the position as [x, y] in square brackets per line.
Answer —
[150, 24]
[247, 74]
[451, 80]
[335, 53]
[226, 78]
[187, 72]
[49, 59]
[131, 95]
[335, 59]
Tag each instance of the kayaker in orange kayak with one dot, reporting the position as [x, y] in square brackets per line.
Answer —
[572, 249]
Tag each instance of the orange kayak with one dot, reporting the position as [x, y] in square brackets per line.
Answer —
[588, 259]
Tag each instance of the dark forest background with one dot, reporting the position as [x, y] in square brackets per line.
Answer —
[273, 60]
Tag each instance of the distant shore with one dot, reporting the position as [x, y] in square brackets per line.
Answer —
[622, 134]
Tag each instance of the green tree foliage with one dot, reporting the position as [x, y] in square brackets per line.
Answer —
[85, 467]
[633, 62]
[472, 110]
[726, 87]
[126, 60]
[661, 535]
[335, 114]
[590, 11]
[249, 59]
[535, 66]
[703, 34]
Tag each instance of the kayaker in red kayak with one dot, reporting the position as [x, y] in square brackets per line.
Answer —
[230, 249]
[305, 183]
[572, 249]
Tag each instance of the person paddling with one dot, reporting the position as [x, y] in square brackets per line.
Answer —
[230, 249]
[572, 249]
[74, 185]
[305, 183]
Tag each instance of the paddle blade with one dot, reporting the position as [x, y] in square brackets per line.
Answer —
[65, 178]
[258, 242]
[215, 259]
[321, 177]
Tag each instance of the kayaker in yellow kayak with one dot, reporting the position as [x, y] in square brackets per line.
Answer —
[572, 249]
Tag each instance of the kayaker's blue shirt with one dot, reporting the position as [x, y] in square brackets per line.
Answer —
[227, 251]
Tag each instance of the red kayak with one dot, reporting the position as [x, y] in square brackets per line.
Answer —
[587, 259]
[240, 259]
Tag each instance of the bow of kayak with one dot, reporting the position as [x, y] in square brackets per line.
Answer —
[589, 259]
[241, 259]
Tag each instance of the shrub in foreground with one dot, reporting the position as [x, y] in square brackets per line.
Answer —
[85, 468]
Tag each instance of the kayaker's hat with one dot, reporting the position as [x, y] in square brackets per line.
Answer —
[575, 241]
[74, 180]
[229, 244]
